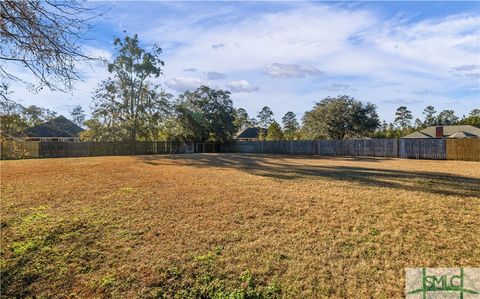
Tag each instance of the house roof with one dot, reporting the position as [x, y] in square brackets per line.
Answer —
[57, 127]
[250, 133]
[461, 135]
[468, 131]
[417, 134]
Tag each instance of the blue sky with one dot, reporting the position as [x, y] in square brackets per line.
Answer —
[289, 55]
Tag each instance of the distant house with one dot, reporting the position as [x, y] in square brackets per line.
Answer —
[57, 129]
[464, 131]
[251, 134]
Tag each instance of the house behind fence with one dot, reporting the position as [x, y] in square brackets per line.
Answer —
[435, 148]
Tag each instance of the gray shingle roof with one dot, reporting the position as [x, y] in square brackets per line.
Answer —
[57, 127]
[461, 135]
[250, 133]
[417, 134]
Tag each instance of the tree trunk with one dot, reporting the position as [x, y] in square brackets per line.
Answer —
[133, 139]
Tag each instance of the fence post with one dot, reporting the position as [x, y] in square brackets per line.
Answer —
[401, 148]
[384, 148]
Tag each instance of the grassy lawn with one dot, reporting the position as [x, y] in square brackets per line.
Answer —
[232, 225]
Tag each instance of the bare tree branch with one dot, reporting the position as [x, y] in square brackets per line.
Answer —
[45, 37]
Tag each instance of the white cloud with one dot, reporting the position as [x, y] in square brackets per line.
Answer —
[190, 70]
[433, 46]
[466, 71]
[281, 70]
[218, 46]
[288, 36]
[466, 67]
[216, 76]
[241, 86]
[385, 59]
[335, 40]
[473, 75]
[182, 84]
[97, 53]
[402, 101]
[340, 87]
[424, 92]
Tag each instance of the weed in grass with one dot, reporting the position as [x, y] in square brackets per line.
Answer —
[107, 281]
[346, 247]
[218, 250]
[370, 252]
[247, 279]
[20, 248]
[174, 272]
[206, 259]
[374, 231]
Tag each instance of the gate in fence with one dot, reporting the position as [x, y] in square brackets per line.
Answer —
[207, 147]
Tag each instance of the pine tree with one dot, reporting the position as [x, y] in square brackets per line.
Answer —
[429, 113]
[265, 117]
[274, 131]
[403, 117]
[290, 125]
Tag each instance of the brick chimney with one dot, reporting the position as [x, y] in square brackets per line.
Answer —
[439, 132]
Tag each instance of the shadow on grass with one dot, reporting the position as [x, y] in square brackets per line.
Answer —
[278, 167]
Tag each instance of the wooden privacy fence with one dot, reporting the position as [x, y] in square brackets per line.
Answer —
[422, 149]
[463, 149]
[38, 149]
[435, 149]
[361, 147]
[19, 148]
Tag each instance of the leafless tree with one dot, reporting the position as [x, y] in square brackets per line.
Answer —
[46, 38]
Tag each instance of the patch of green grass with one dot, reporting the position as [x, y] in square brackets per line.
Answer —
[207, 280]
[34, 218]
[107, 281]
[48, 250]
[20, 248]
[374, 231]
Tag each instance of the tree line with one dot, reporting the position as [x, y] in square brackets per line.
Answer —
[130, 105]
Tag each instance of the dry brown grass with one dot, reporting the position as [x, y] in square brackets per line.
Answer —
[253, 225]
